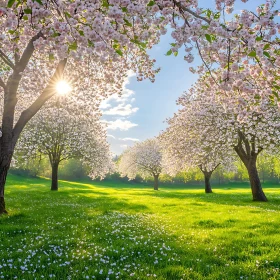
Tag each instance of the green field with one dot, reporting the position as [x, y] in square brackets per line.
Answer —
[128, 231]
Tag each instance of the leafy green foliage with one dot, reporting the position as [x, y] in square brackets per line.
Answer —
[208, 38]
[252, 54]
[11, 3]
[73, 46]
[151, 3]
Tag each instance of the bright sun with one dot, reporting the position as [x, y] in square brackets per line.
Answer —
[62, 87]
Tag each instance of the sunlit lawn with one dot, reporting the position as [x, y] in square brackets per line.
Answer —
[108, 231]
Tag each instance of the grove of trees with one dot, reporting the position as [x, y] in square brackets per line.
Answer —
[93, 44]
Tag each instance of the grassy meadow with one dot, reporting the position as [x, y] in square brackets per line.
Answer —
[128, 231]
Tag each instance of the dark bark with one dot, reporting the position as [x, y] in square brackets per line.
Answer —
[256, 187]
[207, 177]
[54, 186]
[4, 167]
[249, 158]
[156, 182]
[2, 206]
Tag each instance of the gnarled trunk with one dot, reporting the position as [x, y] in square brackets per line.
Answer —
[156, 182]
[207, 177]
[54, 186]
[256, 187]
[249, 158]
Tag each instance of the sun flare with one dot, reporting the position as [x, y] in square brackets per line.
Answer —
[63, 87]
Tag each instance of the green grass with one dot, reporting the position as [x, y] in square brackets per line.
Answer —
[127, 231]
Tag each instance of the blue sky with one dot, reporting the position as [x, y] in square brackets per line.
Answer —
[141, 111]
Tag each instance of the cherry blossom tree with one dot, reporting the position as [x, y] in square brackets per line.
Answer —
[247, 118]
[62, 132]
[142, 159]
[186, 144]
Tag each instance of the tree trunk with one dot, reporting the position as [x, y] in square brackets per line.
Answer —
[4, 167]
[257, 191]
[207, 177]
[247, 152]
[156, 182]
[54, 186]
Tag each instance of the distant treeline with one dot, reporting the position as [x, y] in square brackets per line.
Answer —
[268, 166]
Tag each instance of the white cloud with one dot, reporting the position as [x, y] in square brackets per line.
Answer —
[120, 106]
[121, 110]
[125, 97]
[105, 105]
[111, 136]
[129, 139]
[120, 124]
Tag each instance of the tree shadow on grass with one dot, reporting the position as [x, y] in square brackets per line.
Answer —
[90, 193]
[234, 197]
[53, 203]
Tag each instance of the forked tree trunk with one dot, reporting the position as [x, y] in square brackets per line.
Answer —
[249, 158]
[256, 187]
[156, 182]
[54, 186]
[207, 177]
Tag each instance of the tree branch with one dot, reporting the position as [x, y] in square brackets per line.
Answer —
[2, 84]
[179, 5]
[15, 77]
[6, 59]
[23, 61]
[204, 62]
[47, 93]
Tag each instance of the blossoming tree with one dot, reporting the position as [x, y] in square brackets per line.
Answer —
[142, 159]
[61, 132]
[186, 144]
[246, 118]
